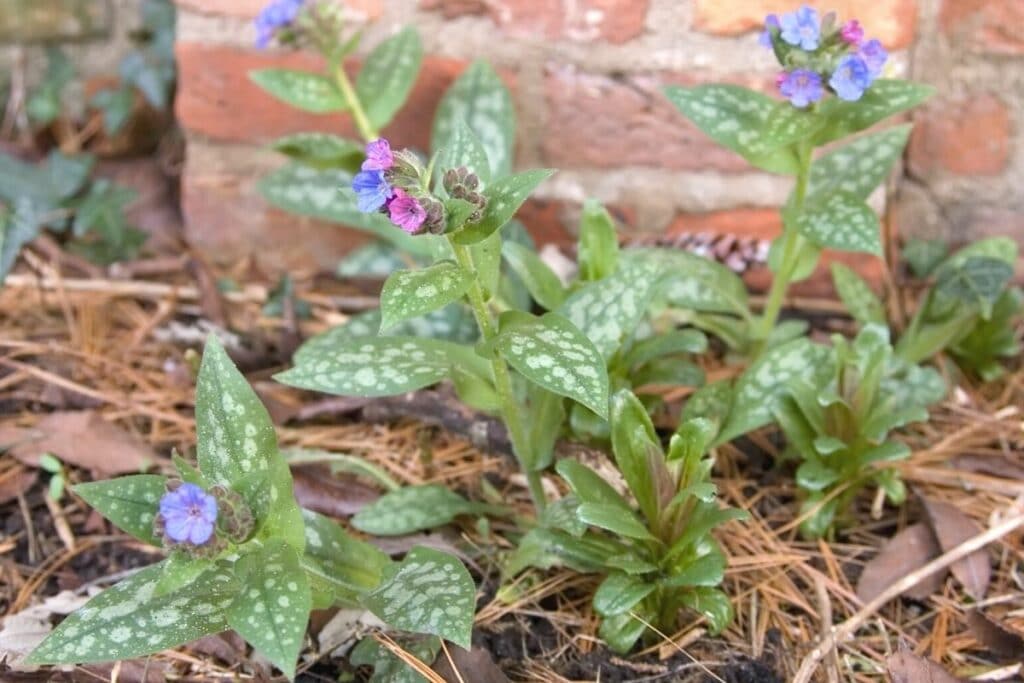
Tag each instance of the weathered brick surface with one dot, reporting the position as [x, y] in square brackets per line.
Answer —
[967, 136]
[891, 21]
[613, 21]
[218, 100]
[995, 26]
[743, 222]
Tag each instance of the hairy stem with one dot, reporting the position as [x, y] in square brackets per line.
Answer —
[502, 381]
[363, 124]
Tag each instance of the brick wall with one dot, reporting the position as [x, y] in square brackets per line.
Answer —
[586, 77]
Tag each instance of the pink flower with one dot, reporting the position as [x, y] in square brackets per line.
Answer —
[378, 156]
[406, 212]
[852, 32]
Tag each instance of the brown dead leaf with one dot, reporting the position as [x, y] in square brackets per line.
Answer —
[952, 527]
[15, 480]
[910, 549]
[81, 438]
[906, 667]
[318, 490]
[993, 465]
[475, 665]
[998, 638]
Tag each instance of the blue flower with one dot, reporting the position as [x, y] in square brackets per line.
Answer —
[874, 56]
[802, 28]
[770, 22]
[801, 87]
[372, 190]
[851, 78]
[189, 515]
[276, 15]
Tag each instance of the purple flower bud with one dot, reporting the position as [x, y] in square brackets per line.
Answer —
[851, 78]
[801, 28]
[801, 87]
[874, 55]
[378, 156]
[852, 33]
[770, 22]
[189, 515]
[372, 190]
[275, 16]
[406, 212]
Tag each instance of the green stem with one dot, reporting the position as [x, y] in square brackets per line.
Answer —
[502, 380]
[363, 124]
[792, 245]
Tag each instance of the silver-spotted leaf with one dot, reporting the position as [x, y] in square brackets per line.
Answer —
[884, 98]
[411, 293]
[695, 282]
[340, 567]
[388, 74]
[859, 167]
[464, 150]
[130, 503]
[320, 150]
[409, 509]
[552, 352]
[303, 90]
[841, 221]
[856, 295]
[504, 197]
[387, 666]
[427, 592]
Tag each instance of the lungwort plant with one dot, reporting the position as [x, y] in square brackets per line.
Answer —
[242, 555]
[838, 423]
[832, 79]
[656, 561]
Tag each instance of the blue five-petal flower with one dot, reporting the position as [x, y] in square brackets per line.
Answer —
[372, 190]
[189, 514]
[801, 28]
[851, 78]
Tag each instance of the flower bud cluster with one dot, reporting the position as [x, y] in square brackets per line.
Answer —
[461, 183]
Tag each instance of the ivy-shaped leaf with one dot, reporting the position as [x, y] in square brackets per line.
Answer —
[504, 197]
[542, 283]
[841, 221]
[410, 509]
[372, 366]
[130, 503]
[857, 296]
[857, 168]
[303, 90]
[321, 150]
[340, 567]
[388, 74]
[17, 228]
[272, 607]
[479, 99]
[428, 592]
[554, 353]
[763, 382]
[129, 620]
[609, 310]
[412, 293]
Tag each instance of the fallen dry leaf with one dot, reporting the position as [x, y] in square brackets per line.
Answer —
[999, 639]
[952, 527]
[906, 667]
[475, 665]
[993, 465]
[16, 480]
[907, 551]
[81, 438]
[318, 490]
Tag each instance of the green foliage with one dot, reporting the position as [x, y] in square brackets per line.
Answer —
[412, 293]
[388, 74]
[410, 509]
[656, 562]
[45, 104]
[504, 197]
[387, 667]
[598, 251]
[992, 339]
[128, 502]
[857, 296]
[838, 423]
[301, 89]
[321, 150]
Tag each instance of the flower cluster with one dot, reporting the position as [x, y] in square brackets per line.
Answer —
[274, 18]
[818, 55]
[395, 183]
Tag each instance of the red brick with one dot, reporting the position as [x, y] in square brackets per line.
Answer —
[613, 21]
[597, 121]
[217, 99]
[248, 9]
[743, 222]
[891, 21]
[995, 26]
[969, 136]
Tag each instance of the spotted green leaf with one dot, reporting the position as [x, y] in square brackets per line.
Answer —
[542, 283]
[758, 388]
[372, 366]
[479, 99]
[302, 90]
[387, 666]
[841, 221]
[978, 280]
[428, 592]
[130, 503]
[464, 149]
[129, 620]
[599, 242]
[1003, 248]
[409, 509]
[388, 74]
[340, 567]
[695, 282]
[856, 295]
[374, 260]
[607, 311]
[321, 150]
[857, 168]
[412, 293]
[554, 353]
[272, 606]
[504, 197]
[883, 99]
[327, 194]
[742, 120]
